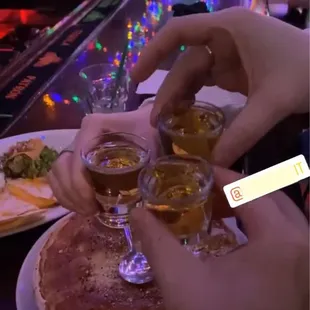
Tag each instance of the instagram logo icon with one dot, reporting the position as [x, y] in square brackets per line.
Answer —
[236, 193]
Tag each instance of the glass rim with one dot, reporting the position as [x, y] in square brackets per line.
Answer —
[185, 200]
[162, 125]
[102, 64]
[121, 133]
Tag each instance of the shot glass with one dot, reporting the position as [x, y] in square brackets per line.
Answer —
[194, 132]
[107, 88]
[114, 161]
[176, 189]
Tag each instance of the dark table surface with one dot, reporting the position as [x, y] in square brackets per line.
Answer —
[48, 114]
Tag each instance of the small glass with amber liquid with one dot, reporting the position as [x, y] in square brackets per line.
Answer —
[194, 132]
[175, 189]
[114, 161]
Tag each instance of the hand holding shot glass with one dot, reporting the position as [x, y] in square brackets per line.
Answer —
[174, 188]
[195, 132]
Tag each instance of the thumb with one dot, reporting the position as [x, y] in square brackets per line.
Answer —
[169, 260]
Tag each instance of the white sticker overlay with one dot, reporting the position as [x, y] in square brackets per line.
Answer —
[267, 181]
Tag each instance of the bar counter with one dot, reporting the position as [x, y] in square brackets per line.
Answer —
[59, 105]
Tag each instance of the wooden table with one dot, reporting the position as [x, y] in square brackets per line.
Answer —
[275, 147]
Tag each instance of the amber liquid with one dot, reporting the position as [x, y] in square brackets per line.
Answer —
[183, 220]
[195, 132]
[114, 168]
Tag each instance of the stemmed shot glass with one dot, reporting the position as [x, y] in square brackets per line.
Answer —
[176, 189]
[114, 161]
[107, 88]
[194, 132]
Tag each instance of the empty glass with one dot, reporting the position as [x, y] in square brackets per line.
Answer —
[107, 87]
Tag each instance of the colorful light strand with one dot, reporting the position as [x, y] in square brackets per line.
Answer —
[138, 34]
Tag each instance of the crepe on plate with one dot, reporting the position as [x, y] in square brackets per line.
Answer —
[77, 268]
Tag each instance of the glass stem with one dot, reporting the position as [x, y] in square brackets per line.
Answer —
[128, 237]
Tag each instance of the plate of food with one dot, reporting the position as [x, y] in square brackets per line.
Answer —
[26, 200]
[74, 265]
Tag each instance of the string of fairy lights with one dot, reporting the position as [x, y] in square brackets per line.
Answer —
[139, 33]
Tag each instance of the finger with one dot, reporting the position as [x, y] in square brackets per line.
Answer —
[182, 82]
[170, 262]
[254, 121]
[81, 182]
[191, 30]
[59, 192]
[260, 217]
[62, 183]
[61, 170]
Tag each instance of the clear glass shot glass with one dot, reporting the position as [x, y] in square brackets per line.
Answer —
[194, 132]
[114, 161]
[107, 88]
[175, 189]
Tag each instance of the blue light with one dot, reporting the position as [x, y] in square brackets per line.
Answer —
[135, 58]
[56, 97]
[82, 57]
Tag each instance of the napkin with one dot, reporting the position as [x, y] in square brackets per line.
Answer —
[230, 103]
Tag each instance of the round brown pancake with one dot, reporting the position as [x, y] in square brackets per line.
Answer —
[78, 269]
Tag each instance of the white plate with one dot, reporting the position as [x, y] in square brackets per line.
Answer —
[57, 139]
[25, 298]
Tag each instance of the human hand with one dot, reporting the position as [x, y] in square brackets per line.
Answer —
[252, 54]
[269, 273]
[68, 177]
